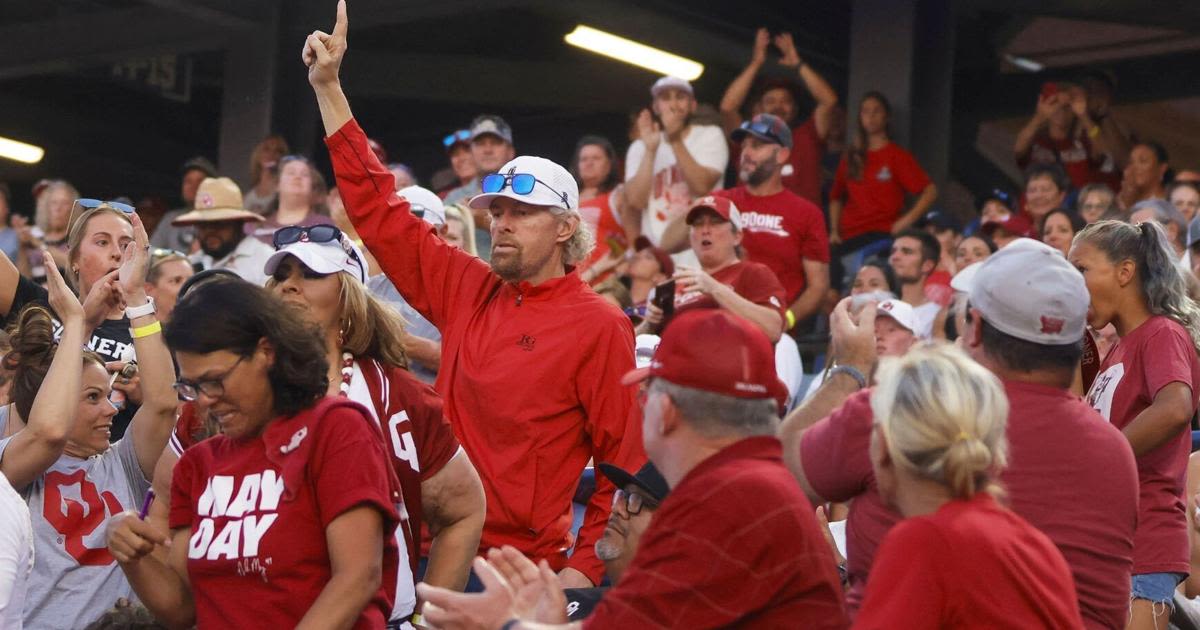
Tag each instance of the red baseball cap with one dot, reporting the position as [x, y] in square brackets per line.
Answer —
[715, 351]
[1017, 224]
[722, 206]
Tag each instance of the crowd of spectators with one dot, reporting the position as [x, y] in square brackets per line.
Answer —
[626, 391]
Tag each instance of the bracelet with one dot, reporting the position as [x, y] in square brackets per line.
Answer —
[145, 331]
[791, 319]
[134, 312]
[852, 372]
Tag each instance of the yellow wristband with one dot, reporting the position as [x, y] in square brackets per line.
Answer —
[791, 319]
[146, 331]
[1094, 131]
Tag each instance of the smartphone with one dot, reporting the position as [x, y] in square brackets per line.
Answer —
[1049, 89]
[664, 298]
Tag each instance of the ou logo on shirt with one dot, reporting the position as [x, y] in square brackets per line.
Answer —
[77, 518]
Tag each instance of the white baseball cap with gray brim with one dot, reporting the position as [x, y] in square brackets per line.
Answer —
[1030, 291]
[325, 258]
[671, 83]
[553, 186]
[425, 203]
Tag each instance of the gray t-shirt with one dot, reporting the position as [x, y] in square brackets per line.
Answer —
[416, 325]
[75, 579]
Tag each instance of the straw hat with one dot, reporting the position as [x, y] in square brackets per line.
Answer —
[217, 199]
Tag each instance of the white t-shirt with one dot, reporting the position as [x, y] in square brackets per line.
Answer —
[75, 579]
[16, 555]
[925, 315]
[669, 194]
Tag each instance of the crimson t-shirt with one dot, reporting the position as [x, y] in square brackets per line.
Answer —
[1150, 357]
[781, 231]
[1072, 475]
[1075, 154]
[808, 149]
[876, 200]
[257, 510]
[735, 544]
[600, 215]
[751, 280]
[970, 564]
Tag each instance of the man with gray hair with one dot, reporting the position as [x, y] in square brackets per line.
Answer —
[736, 543]
[532, 358]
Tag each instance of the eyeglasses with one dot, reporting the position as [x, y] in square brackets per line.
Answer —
[633, 501]
[212, 387]
[462, 135]
[521, 183]
[92, 204]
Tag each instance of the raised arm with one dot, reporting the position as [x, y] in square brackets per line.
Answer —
[739, 88]
[152, 424]
[36, 447]
[323, 55]
[1045, 107]
[637, 188]
[815, 84]
[699, 177]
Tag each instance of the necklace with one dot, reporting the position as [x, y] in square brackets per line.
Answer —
[347, 374]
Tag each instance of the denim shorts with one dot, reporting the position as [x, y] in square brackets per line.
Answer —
[1156, 587]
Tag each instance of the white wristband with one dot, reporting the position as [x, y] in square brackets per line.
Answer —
[134, 312]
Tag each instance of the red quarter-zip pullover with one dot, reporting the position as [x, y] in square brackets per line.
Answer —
[530, 374]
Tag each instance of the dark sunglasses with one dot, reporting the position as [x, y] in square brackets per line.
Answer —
[462, 135]
[521, 183]
[92, 204]
[285, 236]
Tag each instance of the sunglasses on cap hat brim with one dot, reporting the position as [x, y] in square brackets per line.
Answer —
[288, 235]
[520, 183]
[460, 136]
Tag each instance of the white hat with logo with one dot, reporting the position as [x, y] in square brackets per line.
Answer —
[425, 203]
[900, 311]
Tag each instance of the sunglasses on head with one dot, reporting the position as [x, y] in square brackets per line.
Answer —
[462, 135]
[285, 236]
[159, 255]
[92, 204]
[760, 127]
[521, 183]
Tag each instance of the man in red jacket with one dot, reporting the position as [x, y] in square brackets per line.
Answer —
[532, 358]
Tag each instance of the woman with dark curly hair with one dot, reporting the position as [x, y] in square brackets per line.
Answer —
[292, 507]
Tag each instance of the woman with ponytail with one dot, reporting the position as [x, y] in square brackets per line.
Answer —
[866, 203]
[1147, 387]
[61, 462]
[960, 559]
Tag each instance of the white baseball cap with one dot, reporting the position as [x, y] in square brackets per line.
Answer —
[328, 257]
[425, 203]
[965, 278]
[1030, 291]
[554, 186]
[671, 83]
[900, 311]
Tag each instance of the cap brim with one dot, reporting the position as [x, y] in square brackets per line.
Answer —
[305, 254]
[216, 214]
[636, 375]
[739, 134]
[621, 478]
[535, 198]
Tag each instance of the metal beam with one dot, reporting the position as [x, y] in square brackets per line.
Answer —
[67, 43]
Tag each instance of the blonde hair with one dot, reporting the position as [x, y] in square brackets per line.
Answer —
[76, 230]
[944, 417]
[41, 214]
[577, 248]
[370, 328]
[463, 215]
[256, 168]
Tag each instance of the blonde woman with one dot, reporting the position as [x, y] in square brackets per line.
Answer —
[460, 228]
[960, 559]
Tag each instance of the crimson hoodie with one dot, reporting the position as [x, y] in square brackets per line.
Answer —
[530, 374]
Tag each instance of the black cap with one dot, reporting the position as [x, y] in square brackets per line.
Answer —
[940, 220]
[199, 163]
[647, 478]
[1001, 194]
[208, 275]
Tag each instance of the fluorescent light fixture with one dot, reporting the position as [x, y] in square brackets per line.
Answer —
[20, 151]
[634, 53]
[1024, 63]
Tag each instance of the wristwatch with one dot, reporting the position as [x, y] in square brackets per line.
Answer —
[134, 312]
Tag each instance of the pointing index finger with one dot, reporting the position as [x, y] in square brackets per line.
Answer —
[340, 26]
